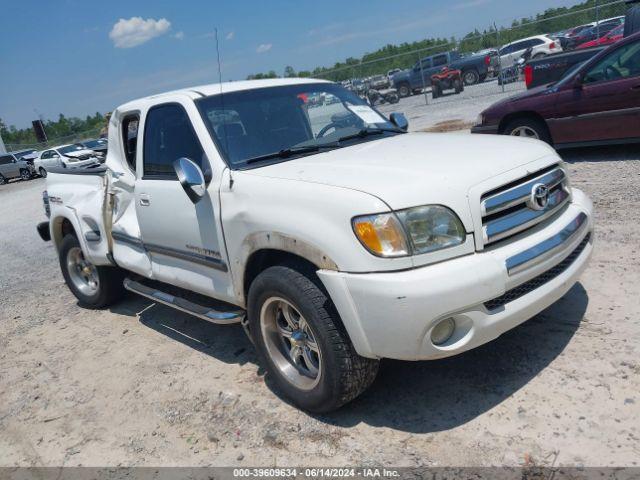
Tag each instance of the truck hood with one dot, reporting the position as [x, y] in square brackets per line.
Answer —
[81, 154]
[416, 168]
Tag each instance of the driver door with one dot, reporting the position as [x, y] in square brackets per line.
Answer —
[607, 104]
[184, 240]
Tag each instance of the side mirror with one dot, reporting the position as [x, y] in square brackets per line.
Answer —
[191, 178]
[399, 120]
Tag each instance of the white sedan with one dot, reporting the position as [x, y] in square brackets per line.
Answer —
[73, 156]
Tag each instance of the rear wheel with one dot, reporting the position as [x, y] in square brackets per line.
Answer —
[94, 286]
[529, 128]
[25, 175]
[470, 77]
[301, 341]
[539, 55]
[43, 172]
[2, 180]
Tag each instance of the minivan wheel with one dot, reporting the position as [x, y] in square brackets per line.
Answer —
[528, 128]
[25, 175]
[301, 341]
[43, 172]
[94, 286]
[2, 180]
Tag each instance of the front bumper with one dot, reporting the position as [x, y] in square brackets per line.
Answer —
[391, 315]
[489, 129]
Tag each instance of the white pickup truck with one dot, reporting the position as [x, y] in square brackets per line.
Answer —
[332, 235]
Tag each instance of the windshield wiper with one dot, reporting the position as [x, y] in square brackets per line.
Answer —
[365, 132]
[288, 152]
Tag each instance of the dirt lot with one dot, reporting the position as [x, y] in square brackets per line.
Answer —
[141, 384]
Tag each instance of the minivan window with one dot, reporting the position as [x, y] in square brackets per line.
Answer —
[6, 159]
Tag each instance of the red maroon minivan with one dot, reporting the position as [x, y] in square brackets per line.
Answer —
[597, 102]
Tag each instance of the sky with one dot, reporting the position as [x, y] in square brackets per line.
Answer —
[78, 57]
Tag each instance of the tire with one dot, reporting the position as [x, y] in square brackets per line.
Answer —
[528, 127]
[539, 55]
[470, 77]
[436, 91]
[457, 85]
[2, 180]
[404, 90]
[42, 172]
[340, 373]
[24, 174]
[108, 289]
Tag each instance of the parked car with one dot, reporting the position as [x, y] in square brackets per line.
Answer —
[328, 234]
[28, 156]
[474, 68]
[541, 46]
[12, 167]
[98, 145]
[550, 69]
[594, 33]
[611, 37]
[597, 102]
[392, 72]
[379, 82]
[565, 36]
[71, 156]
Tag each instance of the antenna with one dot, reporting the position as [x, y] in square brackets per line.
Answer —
[224, 122]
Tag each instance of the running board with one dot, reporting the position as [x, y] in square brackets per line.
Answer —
[223, 314]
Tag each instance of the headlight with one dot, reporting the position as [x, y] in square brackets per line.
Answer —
[432, 228]
[409, 232]
[381, 234]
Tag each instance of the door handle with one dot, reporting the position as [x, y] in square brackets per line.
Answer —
[145, 200]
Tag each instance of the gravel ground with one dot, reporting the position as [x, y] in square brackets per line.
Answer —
[464, 107]
[141, 384]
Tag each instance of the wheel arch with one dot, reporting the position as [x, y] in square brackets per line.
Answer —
[266, 249]
[60, 227]
[522, 115]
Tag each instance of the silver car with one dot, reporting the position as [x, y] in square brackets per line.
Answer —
[12, 167]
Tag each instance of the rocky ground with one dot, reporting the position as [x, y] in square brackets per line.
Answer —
[140, 384]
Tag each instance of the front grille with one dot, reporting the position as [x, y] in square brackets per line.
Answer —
[511, 209]
[538, 281]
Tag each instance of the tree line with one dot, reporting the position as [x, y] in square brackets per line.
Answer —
[406, 54]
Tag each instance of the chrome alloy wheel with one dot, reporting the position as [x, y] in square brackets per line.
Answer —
[526, 132]
[290, 343]
[82, 273]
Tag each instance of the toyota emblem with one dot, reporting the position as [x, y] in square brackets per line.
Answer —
[539, 197]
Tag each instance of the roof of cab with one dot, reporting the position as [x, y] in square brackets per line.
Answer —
[217, 88]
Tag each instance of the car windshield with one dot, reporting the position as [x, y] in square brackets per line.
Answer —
[273, 124]
[70, 148]
[24, 153]
[95, 143]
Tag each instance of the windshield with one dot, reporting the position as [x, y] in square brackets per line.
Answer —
[95, 143]
[23, 154]
[276, 123]
[70, 148]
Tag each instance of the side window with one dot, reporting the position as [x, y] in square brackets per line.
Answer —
[168, 136]
[535, 42]
[130, 139]
[46, 155]
[439, 60]
[624, 62]
[5, 159]
[506, 50]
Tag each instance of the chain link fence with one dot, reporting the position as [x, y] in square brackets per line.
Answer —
[68, 139]
[503, 75]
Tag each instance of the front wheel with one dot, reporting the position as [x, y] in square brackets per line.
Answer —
[94, 286]
[42, 172]
[25, 175]
[404, 90]
[301, 341]
[528, 128]
[2, 180]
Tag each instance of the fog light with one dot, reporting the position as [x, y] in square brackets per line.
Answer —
[443, 331]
